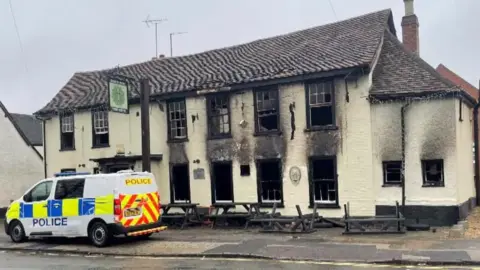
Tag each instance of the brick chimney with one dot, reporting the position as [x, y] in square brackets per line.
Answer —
[410, 27]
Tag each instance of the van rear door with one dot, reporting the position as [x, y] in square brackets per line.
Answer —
[139, 199]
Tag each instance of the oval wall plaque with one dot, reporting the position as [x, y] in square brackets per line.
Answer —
[295, 175]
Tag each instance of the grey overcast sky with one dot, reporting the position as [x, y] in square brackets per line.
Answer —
[61, 37]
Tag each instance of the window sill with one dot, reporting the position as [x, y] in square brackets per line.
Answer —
[267, 134]
[323, 128]
[177, 140]
[220, 137]
[433, 185]
[66, 149]
[325, 206]
[270, 205]
[392, 185]
[101, 146]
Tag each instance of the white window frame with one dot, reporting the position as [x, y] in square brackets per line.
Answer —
[100, 122]
[67, 124]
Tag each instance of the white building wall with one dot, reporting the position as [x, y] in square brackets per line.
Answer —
[20, 166]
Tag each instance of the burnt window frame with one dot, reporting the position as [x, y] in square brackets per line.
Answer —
[169, 124]
[95, 140]
[308, 107]
[281, 202]
[211, 115]
[311, 189]
[425, 183]
[384, 173]
[271, 88]
[62, 139]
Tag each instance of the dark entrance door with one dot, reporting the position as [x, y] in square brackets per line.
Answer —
[180, 183]
[222, 182]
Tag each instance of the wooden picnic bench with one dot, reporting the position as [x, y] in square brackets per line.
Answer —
[387, 224]
[277, 223]
[188, 216]
[221, 212]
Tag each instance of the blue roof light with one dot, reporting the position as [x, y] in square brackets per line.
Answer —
[70, 174]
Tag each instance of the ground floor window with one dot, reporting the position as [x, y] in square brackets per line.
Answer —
[269, 181]
[432, 171]
[392, 172]
[323, 181]
[179, 183]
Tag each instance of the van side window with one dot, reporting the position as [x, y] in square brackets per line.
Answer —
[40, 192]
[69, 189]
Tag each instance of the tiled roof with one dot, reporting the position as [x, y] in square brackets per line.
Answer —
[344, 44]
[459, 81]
[33, 128]
[399, 71]
[30, 126]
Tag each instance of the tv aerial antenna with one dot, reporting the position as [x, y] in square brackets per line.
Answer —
[155, 22]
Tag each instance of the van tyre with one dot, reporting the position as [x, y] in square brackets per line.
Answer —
[98, 234]
[17, 232]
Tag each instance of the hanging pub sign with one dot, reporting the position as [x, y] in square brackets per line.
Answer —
[118, 96]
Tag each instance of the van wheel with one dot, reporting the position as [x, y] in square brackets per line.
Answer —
[16, 231]
[98, 234]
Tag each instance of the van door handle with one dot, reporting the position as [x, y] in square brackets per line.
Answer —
[45, 206]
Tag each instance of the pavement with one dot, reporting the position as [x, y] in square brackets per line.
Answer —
[326, 245]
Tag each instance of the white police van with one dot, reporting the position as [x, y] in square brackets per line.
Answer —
[97, 206]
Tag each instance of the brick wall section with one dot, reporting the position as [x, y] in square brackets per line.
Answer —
[411, 38]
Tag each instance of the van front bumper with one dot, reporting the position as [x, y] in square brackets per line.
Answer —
[118, 229]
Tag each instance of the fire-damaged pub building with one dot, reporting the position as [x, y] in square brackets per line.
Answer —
[326, 115]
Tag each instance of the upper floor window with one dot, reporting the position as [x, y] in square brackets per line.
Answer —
[320, 104]
[266, 110]
[218, 110]
[67, 132]
[100, 128]
[177, 120]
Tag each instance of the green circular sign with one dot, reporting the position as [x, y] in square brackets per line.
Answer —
[118, 95]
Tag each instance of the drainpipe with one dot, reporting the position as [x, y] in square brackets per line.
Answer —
[475, 147]
[402, 117]
[44, 150]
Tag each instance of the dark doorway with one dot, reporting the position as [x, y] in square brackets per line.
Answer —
[222, 182]
[180, 183]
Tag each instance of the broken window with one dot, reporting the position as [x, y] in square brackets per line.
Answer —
[219, 115]
[320, 104]
[323, 181]
[392, 172]
[100, 128]
[270, 184]
[267, 110]
[67, 132]
[177, 120]
[432, 172]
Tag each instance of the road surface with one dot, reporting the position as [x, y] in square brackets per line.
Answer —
[16, 260]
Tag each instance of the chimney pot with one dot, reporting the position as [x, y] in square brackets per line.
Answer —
[409, 7]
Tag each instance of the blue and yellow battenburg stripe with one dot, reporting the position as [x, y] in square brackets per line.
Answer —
[62, 208]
